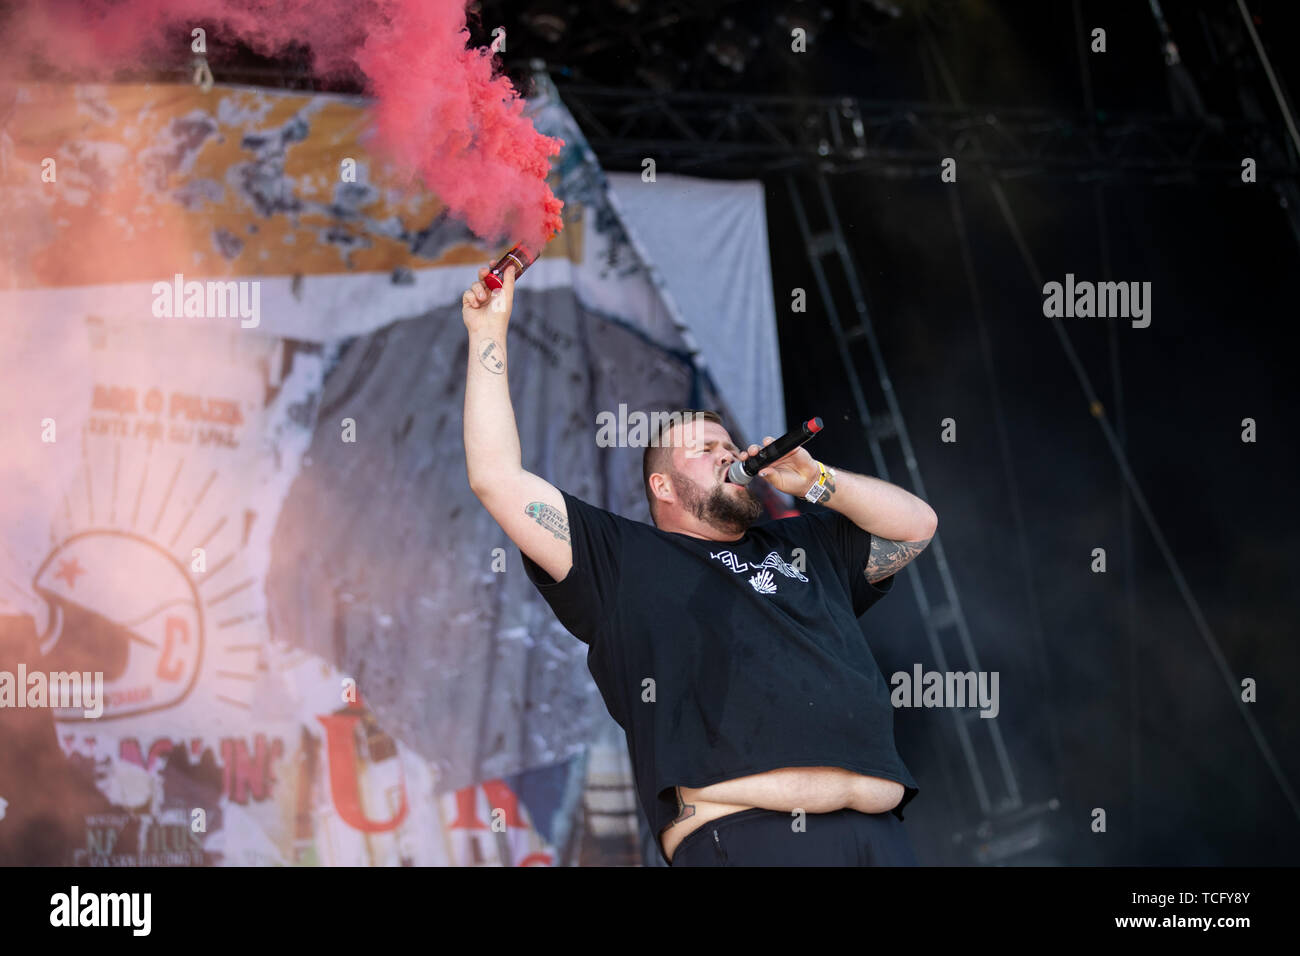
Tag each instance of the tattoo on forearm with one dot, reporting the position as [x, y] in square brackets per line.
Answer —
[491, 356]
[684, 810]
[889, 556]
[549, 518]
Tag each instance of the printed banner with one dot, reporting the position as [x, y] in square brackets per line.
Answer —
[234, 507]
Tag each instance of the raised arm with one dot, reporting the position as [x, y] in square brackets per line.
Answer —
[901, 525]
[529, 509]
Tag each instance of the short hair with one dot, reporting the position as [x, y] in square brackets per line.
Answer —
[658, 457]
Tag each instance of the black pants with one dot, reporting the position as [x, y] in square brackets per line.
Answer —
[758, 837]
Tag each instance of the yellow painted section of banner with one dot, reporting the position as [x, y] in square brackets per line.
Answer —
[132, 183]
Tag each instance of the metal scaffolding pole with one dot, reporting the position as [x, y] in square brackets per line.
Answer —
[731, 134]
[996, 790]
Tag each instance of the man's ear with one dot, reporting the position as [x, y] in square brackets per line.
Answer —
[662, 488]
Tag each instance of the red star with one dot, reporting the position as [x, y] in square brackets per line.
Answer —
[70, 570]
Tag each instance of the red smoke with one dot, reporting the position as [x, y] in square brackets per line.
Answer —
[439, 111]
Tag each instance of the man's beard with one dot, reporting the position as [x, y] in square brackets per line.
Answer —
[718, 508]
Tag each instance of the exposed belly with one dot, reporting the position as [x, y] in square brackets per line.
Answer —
[812, 789]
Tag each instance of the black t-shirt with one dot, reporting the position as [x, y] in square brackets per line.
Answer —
[721, 659]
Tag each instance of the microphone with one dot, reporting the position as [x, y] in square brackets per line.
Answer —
[742, 472]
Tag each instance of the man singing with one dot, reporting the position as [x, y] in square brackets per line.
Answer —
[758, 723]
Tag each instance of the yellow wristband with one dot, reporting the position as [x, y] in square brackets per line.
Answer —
[819, 486]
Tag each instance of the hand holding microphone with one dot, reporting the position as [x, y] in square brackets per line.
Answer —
[782, 462]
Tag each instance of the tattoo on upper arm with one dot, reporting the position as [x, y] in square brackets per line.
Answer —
[549, 517]
[489, 356]
[889, 556]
